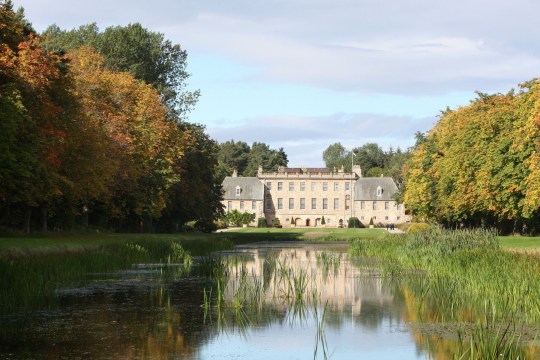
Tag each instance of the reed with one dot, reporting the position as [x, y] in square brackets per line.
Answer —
[455, 273]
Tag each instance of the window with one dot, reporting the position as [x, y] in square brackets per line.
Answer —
[347, 197]
[302, 186]
[325, 204]
[253, 205]
[374, 218]
[280, 203]
[291, 203]
[386, 218]
[398, 218]
[268, 204]
[241, 205]
[229, 205]
[291, 186]
[313, 203]
[269, 185]
[374, 205]
[313, 186]
[280, 185]
[347, 186]
[379, 191]
[238, 190]
[324, 186]
[386, 206]
[336, 203]
[302, 204]
[362, 205]
[336, 186]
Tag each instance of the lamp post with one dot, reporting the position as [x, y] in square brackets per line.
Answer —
[351, 187]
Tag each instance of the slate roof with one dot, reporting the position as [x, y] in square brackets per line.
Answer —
[366, 188]
[252, 188]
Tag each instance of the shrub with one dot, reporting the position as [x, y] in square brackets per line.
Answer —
[354, 223]
[418, 227]
[371, 223]
[205, 225]
[261, 223]
[323, 221]
[276, 223]
[404, 226]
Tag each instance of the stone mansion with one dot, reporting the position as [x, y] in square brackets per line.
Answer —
[303, 196]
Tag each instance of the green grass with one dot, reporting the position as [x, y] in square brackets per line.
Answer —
[524, 243]
[310, 233]
[56, 242]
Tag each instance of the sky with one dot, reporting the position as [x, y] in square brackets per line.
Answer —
[304, 74]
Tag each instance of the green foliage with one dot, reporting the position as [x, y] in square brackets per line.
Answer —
[246, 160]
[276, 223]
[354, 223]
[323, 221]
[236, 218]
[371, 223]
[373, 161]
[261, 223]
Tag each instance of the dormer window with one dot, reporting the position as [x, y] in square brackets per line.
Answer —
[379, 191]
[238, 190]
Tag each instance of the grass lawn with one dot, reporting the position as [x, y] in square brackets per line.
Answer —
[308, 233]
[89, 240]
[522, 243]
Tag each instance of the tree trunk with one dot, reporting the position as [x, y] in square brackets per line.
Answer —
[27, 219]
[43, 219]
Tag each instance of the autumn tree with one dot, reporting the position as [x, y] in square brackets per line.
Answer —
[477, 166]
[146, 55]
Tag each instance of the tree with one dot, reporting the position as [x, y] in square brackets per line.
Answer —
[336, 156]
[232, 155]
[144, 54]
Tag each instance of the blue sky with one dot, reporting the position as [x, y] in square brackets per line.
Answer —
[303, 74]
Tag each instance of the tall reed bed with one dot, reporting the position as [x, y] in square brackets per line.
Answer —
[454, 274]
[30, 279]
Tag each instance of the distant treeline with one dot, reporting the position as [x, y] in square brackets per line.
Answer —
[480, 164]
[93, 131]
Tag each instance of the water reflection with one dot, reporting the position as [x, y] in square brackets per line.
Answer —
[308, 302]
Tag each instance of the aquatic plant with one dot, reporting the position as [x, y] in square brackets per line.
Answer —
[455, 273]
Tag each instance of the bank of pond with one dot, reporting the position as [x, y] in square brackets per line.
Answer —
[434, 294]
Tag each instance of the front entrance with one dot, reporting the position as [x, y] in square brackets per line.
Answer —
[307, 222]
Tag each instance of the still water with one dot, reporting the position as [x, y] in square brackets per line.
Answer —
[287, 301]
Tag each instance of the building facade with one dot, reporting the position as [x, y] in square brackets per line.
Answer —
[314, 197]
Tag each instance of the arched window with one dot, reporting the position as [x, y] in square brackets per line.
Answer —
[238, 190]
[379, 191]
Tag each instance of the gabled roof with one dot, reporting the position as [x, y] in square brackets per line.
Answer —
[251, 188]
[366, 188]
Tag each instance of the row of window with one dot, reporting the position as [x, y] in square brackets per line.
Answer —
[303, 204]
[242, 205]
[325, 204]
[374, 205]
[314, 186]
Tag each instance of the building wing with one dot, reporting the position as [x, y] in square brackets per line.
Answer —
[243, 188]
[374, 189]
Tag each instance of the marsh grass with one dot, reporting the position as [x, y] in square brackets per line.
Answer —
[31, 280]
[455, 273]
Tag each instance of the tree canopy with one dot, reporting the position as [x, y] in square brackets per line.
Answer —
[86, 137]
[479, 164]
[245, 159]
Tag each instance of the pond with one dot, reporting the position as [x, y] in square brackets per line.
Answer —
[260, 301]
